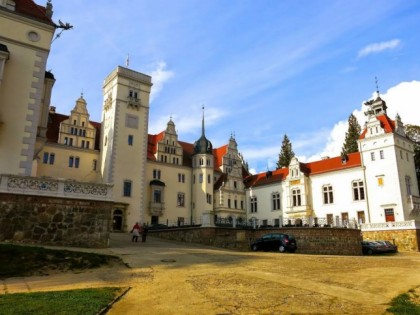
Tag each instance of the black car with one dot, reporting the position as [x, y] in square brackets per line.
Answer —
[275, 241]
[157, 226]
[373, 247]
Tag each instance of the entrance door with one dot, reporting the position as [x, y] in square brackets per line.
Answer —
[117, 220]
[389, 215]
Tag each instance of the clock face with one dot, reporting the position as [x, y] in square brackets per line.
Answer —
[33, 36]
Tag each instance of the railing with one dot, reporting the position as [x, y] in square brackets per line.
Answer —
[401, 225]
[52, 187]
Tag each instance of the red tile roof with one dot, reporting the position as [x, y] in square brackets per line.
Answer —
[266, 178]
[387, 123]
[152, 141]
[218, 154]
[30, 8]
[333, 164]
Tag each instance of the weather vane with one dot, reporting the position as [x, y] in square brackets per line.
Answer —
[63, 26]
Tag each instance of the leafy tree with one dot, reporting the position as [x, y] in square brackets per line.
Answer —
[413, 132]
[352, 135]
[286, 153]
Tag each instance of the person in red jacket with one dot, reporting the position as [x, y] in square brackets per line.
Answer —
[135, 231]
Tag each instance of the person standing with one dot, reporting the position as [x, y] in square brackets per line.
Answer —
[144, 233]
[135, 231]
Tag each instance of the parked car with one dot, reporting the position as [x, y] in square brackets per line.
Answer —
[158, 226]
[275, 241]
[389, 247]
[373, 247]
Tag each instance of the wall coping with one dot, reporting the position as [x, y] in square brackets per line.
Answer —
[387, 226]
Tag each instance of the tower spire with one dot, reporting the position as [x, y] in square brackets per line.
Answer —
[202, 123]
[377, 86]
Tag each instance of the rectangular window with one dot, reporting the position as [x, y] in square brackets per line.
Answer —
[361, 217]
[228, 203]
[208, 178]
[130, 139]
[83, 144]
[358, 190]
[157, 196]
[46, 158]
[234, 184]
[407, 156]
[200, 178]
[71, 142]
[372, 156]
[66, 141]
[344, 218]
[242, 204]
[181, 200]
[328, 194]
[127, 188]
[156, 174]
[209, 199]
[330, 219]
[275, 201]
[389, 215]
[254, 205]
[76, 162]
[52, 158]
[408, 185]
[380, 181]
[401, 154]
[87, 144]
[235, 202]
[94, 164]
[381, 154]
[71, 161]
[296, 198]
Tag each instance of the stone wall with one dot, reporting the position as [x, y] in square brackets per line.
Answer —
[325, 241]
[407, 240]
[54, 221]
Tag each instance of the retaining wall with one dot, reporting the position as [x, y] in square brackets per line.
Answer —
[54, 221]
[406, 240]
[324, 241]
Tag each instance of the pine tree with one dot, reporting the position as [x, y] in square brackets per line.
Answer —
[352, 135]
[286, 153]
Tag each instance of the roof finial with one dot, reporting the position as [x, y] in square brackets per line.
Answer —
[202, 124]
[377, 86]
[127, 61]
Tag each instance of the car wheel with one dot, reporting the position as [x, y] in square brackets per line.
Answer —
[254, 248]
[370, 252]
[282, 249]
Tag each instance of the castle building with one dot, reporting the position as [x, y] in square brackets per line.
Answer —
[161, 179]
[378, 184]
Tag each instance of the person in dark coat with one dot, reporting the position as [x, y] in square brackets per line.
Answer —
[144, 233]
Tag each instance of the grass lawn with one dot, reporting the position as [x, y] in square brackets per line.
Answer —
[19, 261]
[72, 302]
[405, 304]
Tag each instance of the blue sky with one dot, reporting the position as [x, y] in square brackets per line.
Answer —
[262, 69]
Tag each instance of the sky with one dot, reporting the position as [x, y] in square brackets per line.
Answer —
[261, 69]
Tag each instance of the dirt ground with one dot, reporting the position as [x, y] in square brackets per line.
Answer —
[175, 278]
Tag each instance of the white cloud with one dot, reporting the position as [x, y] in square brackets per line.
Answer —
[404, 99]
[159, 76]
[378, 47]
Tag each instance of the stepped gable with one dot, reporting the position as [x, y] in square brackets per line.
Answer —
[53, 129]
[266, 178]
[333, 164]
[386, 123]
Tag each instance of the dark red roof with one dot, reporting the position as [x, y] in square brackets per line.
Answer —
[386, 123]
[30, 8]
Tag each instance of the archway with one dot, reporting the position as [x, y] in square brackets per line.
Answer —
[117, 220]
